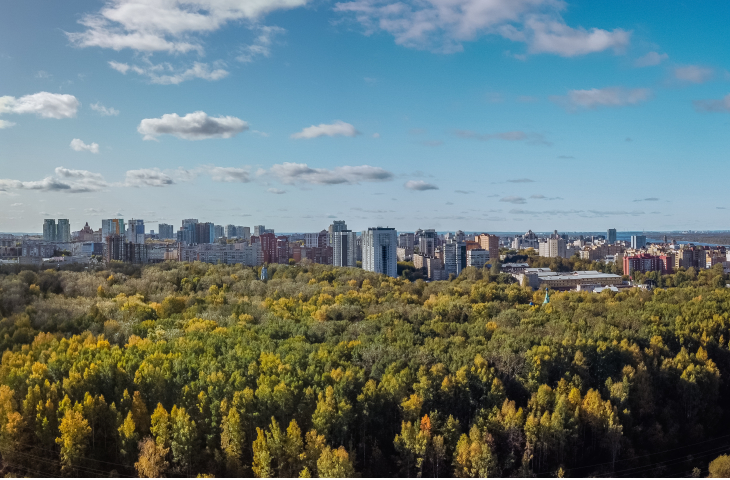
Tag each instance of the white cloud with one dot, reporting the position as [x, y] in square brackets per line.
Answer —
[603, 97]
[339, 128]
[230, 174]
[513, 199]
[193, 126]
[167, 25]
[261, 46]
[650, 59]
[721, 105]
[6, 124]
[79, 146]
[147, 177]
[166, 74]
[443, 25]
[104, 111]
[514, 136]
[42, 104]
[693, 73]
[301, 173]
[65, 180]
[552, 36]
[276, 191]
[420, 185]
[376, 135]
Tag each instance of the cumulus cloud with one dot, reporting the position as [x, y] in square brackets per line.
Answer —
[301, 173]
[650, 59]
[721, 105]
[65, 180]
[147, 177]
[42, 104]
[420, 185]
[443, 25]
[166, 74]
[230, 174]
[79, 146]
[261, 46]
[171, 26]
[6, 124]
[531, 138]
[104, 111]
[339, 128]
[602, 97]
[193, 126]
[513, 199]
[693, 73]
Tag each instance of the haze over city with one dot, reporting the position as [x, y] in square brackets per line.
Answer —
[495, 116]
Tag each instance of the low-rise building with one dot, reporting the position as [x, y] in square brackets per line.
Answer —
[543, 277]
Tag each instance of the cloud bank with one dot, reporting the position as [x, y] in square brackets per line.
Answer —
[443, 25]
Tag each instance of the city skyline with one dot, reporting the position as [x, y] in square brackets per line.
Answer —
[488, 116]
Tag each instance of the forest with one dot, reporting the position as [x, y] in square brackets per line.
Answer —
[190, 369]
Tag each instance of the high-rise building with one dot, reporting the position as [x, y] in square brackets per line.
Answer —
[112, 226]
[63, 230]
[231, 231]
[611, 236]
[57, 231]
[204, 232]
[460, 256]
[259, 230]
[477, 257]
[165, 231]
[188, 233]
[638, 241]
[318, 240]
[336, 226]
[269, 245]
[379, 251]
[405, 240]
[219, 232]
[135, 231]
[244, 232]
[344, 244]
[449, 259]
[490, 243]
[552, 247]
[49, 230]
[427, 243]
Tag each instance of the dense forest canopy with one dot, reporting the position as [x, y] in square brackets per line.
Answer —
[194, 369]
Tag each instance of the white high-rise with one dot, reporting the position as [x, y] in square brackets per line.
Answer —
[379, 247]
[344, 244]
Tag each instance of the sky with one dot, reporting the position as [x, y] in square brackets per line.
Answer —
[480, 115]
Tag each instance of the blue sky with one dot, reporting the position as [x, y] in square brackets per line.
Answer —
[494, 115]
